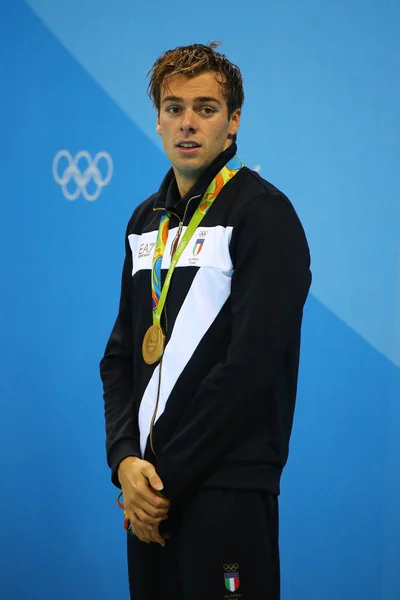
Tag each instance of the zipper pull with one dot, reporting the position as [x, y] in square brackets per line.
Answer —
[176, 240]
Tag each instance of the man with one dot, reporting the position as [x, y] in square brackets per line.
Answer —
[200, 371]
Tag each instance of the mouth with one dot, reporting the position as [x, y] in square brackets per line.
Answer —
[188, 147]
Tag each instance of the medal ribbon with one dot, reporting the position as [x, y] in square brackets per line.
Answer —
[159, 296]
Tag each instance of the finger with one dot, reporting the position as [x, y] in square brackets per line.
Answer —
[137, 526]
[151, 474]
[153, 497]
[140, 530]
[149, 502]
[148, 519]
[137, 532]
[147, 533]
[137, 503]
[144, 535]
[156, 537]
[141, 489]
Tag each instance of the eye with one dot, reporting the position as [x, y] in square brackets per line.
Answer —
[207, 110]
[173, 110]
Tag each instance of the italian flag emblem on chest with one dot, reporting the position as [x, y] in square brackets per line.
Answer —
[198, 247]
[231, 581]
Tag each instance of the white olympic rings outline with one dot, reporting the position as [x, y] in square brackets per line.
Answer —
[82, 178]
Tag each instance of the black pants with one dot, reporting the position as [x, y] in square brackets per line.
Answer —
[224, 546]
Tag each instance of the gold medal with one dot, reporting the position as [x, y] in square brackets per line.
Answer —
[153, 344]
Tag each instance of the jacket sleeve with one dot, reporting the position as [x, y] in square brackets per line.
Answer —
[269, 287]
[116, 371]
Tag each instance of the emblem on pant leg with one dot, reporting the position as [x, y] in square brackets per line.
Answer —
[231, 576]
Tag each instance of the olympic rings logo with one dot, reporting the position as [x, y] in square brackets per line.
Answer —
[82, 178]
[231, 568]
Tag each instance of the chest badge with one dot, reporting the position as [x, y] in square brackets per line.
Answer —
[198, 247]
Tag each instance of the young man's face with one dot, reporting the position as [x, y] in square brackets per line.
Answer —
[193, 109]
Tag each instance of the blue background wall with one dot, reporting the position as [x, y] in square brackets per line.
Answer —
[321, 121]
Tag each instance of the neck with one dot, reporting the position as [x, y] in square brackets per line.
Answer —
[185, 183]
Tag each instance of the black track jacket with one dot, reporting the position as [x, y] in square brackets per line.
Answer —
[232, 320]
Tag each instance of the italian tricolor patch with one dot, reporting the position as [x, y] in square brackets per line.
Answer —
[231, 581]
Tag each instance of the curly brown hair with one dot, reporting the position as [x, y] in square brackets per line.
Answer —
[194, 60]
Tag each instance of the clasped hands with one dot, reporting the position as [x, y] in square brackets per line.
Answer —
[144, 503]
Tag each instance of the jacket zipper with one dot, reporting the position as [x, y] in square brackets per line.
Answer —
[174, 244]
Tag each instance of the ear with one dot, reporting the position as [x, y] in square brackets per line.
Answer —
[234, 122]
[158, 127]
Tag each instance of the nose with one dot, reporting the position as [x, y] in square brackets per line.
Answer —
[188, 124]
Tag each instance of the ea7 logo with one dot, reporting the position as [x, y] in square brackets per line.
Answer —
[146, 250]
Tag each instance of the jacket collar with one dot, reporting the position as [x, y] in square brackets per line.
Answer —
[168, 195]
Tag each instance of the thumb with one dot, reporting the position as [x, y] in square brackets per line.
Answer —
[151, 474]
